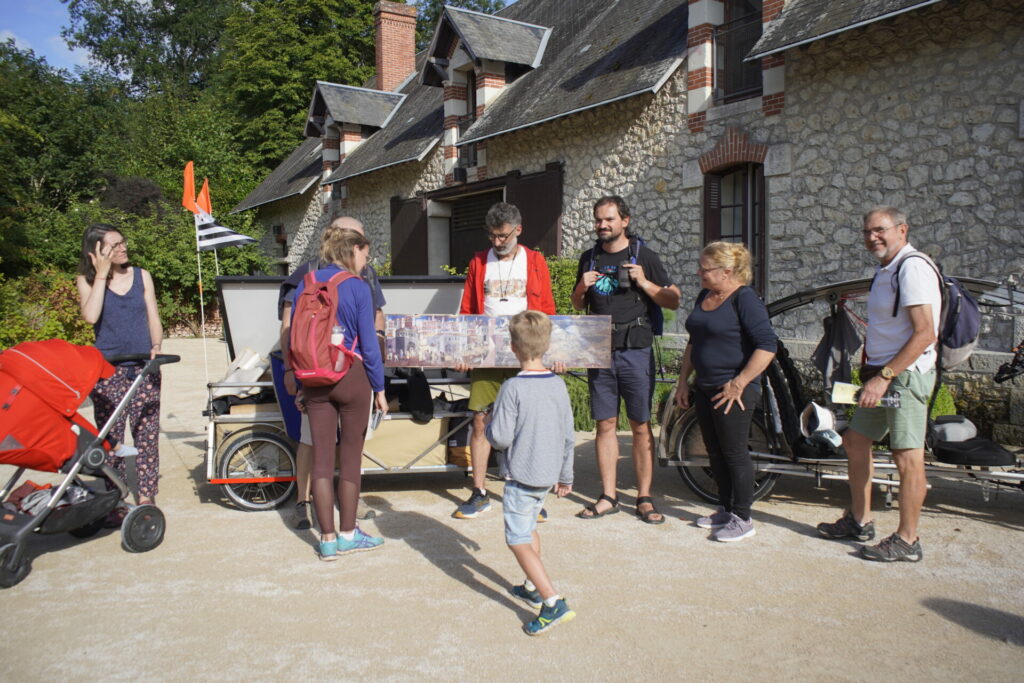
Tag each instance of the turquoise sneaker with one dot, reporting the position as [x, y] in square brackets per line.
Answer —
[329, 550]
[549, 617]
[531, 598]
[360, 543]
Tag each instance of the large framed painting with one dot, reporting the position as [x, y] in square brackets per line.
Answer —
[481, 341]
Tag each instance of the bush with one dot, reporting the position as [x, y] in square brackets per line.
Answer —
[42, 306]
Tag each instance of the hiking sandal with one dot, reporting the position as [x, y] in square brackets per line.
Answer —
[646, 516]
[590, 511]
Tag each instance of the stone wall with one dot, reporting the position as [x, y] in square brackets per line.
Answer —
[300, 215]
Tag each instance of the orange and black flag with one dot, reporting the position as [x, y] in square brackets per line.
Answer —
[209, 233]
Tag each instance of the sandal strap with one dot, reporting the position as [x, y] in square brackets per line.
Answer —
[644, 499]
[603, 496]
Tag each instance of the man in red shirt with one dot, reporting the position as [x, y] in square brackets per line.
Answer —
[504, 280]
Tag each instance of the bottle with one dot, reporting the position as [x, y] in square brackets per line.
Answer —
[337, 335]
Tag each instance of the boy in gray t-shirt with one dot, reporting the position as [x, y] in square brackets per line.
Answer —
[532, 422]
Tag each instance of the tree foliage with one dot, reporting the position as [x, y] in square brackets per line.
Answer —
[273, 53]
[153, 44]
[429, 13]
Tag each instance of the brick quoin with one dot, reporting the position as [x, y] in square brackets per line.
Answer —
[481, 173]
[395, 26]
[771, 9]
[331, 143]
[733, 148]
[451, 152]
[773, 104]
[699, 34]
[479, 111]
[772, 61]
[454, 92]
[699, 78]
[481, 145]
[351, 136]
[451, 121]
[491, 81]
[696, 121]
[449, 179]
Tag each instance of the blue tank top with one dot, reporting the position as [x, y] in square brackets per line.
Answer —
[123, 327]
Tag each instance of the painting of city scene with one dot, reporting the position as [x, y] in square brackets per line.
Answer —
[480, 341]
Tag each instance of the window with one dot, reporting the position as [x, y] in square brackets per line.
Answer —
[735, 79]
[734, 212]
[467, 154]
[467, 235]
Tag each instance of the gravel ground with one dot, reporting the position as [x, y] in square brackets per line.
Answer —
[238, 595]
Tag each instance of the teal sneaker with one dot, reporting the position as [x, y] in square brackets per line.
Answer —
[477, 503]
[329, 550]
[549, 617]
[360, 543]
[531, 598]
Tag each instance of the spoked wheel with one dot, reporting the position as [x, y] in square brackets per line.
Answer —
[258, 455]
[690, 444]
[14, 566]
[143, 529]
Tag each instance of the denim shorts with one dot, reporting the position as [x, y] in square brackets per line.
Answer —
[906, 425]
[520, 506]
[631, 376]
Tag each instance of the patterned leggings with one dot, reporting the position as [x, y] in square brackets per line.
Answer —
[144, 411]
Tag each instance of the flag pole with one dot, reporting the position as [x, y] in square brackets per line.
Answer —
[188, 200]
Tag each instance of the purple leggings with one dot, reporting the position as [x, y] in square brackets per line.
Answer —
[348, 401]
[144, 412]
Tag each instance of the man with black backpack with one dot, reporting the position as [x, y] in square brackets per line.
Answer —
[621, 277]
[904, 309]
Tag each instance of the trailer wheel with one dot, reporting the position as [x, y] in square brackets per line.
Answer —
[689, 442]
[256, 455]
[14, 567]
[143, 529]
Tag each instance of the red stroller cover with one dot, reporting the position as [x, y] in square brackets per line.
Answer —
[42, 384]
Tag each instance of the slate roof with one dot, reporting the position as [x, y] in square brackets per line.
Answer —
[413, 131]
[349, 104]
[804, 21]
[293, 176]
[598, 53]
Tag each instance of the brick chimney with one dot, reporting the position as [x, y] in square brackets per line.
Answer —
[395, 25]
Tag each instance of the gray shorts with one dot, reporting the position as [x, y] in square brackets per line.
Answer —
[631, 376]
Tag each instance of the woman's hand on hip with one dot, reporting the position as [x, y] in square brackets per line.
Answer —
[732, 392]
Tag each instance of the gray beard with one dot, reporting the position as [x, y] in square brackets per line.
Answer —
[506, 249]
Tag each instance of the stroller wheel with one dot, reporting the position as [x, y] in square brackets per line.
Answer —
[12, 575]
[143, 529]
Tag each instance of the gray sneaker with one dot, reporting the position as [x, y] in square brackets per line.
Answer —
[893, 549]
[716, 520]
[735, 530]
[847, 527]
[302, 520]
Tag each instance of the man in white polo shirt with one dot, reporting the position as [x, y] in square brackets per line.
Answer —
[900, 356]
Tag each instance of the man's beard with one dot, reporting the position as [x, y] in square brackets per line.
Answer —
[506, 248]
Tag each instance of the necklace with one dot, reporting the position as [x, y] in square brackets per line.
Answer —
[505, 281]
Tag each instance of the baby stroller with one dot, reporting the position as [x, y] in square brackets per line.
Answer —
[42, 384]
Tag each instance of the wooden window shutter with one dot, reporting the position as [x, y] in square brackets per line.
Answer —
[712, 207]
[539, 198]
[408, 236]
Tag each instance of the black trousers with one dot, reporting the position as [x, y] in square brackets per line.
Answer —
[726, 438]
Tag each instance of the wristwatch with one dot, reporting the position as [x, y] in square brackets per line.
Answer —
[887, 373]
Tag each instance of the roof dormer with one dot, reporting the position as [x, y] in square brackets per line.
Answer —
[464, 37]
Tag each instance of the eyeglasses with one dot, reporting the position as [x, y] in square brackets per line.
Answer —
[119, 245]
[702, 269]
[878, 230]
[499, 237]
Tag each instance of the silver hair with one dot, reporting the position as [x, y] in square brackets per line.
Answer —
[895, 215]
[501, 214]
